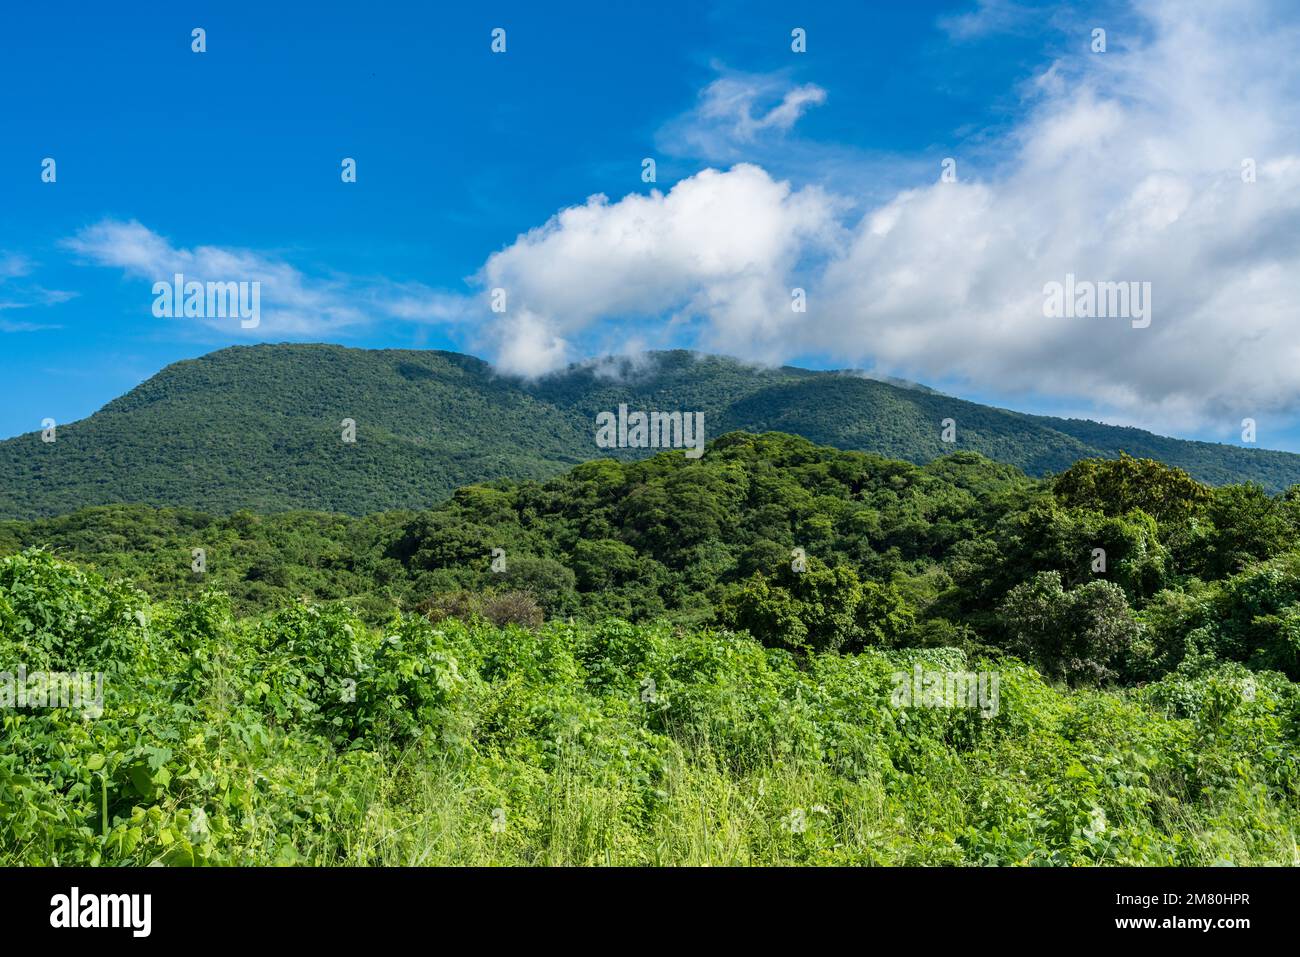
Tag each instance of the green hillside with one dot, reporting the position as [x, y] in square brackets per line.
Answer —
[259, 427]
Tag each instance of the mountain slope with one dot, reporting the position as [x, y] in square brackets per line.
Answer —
[260, 427]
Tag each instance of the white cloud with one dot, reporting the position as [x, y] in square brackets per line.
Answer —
[529, 346]
[24, 295]
[731, 101]
[293, 303]
[1125, 167]
[718, 246]
[989, 16]
[738, 110]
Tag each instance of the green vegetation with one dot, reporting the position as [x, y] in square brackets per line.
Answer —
[260, 428]
[958, 553]
[716, 679]
[302, 735]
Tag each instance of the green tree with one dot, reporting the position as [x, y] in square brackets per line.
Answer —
[603, 563]
[1077, 636]
[820, 608]
[1247, 525]
[1117, 486]
[551, 583]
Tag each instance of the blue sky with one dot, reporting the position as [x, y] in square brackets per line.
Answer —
[775, 169]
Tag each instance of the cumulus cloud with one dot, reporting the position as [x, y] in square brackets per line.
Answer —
[717, 247]
[1126, 166]
[529, 345]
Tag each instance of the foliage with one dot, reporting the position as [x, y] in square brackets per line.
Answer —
[1075, 636]
[506, 608]
[817, 609]
[900, 555]
[235, 741]
[261, 428]
[1118, 486]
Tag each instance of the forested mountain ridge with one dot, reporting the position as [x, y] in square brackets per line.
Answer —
[260, 427]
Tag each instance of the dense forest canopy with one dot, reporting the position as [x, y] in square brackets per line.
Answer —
[1115, 570]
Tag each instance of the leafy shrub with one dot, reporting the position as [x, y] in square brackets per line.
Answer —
[56, 618]
[820, 609]
[226, 741]
[1077, 636]
[408, 685]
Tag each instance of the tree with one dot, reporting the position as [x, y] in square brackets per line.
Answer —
[1076, 636]
[1248, 525]
[603, 563]
[552, 584]
[820, 609]
[1117, 486]
[767, 612]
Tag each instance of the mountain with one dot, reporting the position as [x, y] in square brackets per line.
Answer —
[260, 427]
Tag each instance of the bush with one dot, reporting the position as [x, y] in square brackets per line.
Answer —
[513, 608]
[817, 609]
[614, 743]
[1077, 636]
[506, 608]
